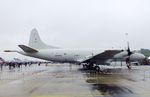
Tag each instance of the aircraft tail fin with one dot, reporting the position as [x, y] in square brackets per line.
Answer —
[36, 42]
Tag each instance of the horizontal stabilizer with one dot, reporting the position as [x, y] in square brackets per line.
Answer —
[27, 49]
[10, 51]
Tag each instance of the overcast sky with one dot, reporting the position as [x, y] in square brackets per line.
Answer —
[76, 23]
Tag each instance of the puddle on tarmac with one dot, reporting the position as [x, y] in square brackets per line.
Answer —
[110, 84]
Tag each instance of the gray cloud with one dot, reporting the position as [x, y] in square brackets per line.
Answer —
[76, 23]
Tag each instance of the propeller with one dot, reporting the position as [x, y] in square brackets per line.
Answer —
[133, 56]
[128, 61]
[128, 50]
[128, 55]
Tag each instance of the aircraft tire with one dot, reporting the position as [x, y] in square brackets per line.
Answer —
[97, 68]
[85, 66]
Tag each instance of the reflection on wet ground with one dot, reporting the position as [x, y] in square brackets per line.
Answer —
[65, 80]
[120, 82]
[108, 84]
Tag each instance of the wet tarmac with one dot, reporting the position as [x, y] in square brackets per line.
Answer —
[65, 80]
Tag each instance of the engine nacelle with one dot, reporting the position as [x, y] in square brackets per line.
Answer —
[137, 57]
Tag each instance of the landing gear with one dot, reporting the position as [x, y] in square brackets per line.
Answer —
[97, 68]
[88, 66]
[128, 63]
[91, 66]
[129, 66]
[84, 66]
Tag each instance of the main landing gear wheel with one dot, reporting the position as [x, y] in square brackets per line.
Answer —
[97, 68]
[129, 66]
[89, 66]
[84, 66]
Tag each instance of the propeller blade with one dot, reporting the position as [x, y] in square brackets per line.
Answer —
[128, 50]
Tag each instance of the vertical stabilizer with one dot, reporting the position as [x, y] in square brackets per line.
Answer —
[36, 42]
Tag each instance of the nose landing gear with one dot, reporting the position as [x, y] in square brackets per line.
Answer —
[128, 63]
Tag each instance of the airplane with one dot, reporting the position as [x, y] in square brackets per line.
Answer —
[15, 62]
[11, 63]
[89, 57]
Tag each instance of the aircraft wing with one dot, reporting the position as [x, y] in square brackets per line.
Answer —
[101, 58]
